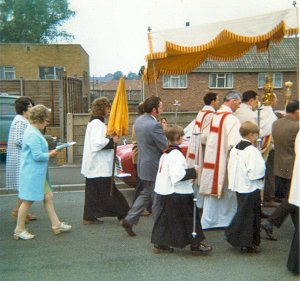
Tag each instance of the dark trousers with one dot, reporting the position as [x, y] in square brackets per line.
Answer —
[282, 211]
[269, 187]
[293, 258]
[138, 189]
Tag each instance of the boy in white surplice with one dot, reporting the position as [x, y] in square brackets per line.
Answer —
[173, 225]
[246, 169]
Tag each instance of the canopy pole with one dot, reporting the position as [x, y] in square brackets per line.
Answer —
[153, 65]
[155, 82]
[297, 46]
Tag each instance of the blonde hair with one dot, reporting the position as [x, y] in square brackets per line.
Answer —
[173, 133]
[39, 114]
[100, 106]
[248, 128]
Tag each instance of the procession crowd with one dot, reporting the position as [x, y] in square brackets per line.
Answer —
[240, 156]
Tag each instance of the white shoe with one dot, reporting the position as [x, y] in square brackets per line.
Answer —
[63, 227]
[25, 235]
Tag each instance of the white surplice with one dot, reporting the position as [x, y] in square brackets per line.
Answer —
[245, 113]
[219, 203]
[197, 144]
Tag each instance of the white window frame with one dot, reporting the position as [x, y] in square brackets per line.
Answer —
[174, 81]
[50, 76]
[7, 72]
[277, 78]
[219, 77]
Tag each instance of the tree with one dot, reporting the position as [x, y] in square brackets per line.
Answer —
[33, 21]
[117, 75]
[132, 76]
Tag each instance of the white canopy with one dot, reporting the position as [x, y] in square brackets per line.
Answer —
[178, 51]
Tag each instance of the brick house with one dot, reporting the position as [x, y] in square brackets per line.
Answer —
[134, 90]
[245, 73]
[44, 61]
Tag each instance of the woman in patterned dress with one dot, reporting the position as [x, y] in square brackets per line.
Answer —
[23, 107]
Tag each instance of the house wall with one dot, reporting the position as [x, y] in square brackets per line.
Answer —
[191, 98]
[27, 58]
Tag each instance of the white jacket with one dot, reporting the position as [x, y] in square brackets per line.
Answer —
[96, 161]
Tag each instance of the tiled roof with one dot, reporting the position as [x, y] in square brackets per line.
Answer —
[283, 57]
[113, 85]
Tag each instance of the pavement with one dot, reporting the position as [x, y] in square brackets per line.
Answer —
[105, 252]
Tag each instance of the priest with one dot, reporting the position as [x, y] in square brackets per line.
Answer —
[220, 204]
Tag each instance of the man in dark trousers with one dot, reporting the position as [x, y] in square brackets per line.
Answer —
[284, 133]
[151, 141]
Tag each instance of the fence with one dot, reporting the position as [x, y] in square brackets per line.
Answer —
[76, 126]
[62, 96]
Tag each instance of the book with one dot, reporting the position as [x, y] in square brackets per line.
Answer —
[64, 145]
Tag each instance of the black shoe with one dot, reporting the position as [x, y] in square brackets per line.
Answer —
[271, 204]
[202, 248]
[128, 228]
[253, 249]
[158, 249]
[92, 221]
[268, 228]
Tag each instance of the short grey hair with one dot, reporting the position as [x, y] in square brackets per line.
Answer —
[39, 114]
[233, 95]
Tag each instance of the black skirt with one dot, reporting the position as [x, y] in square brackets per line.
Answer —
[99, 203]
[174, 224]
[244, 229]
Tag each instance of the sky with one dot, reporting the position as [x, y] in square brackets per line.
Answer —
[114, 32]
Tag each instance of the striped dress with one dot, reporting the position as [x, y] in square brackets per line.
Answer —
[14, 148]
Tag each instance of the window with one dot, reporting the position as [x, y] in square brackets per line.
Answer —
[277, 79]
[221, 80]
[51, 72]
[7, 72]
[175, 81]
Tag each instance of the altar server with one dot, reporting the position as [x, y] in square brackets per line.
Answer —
[246, 169]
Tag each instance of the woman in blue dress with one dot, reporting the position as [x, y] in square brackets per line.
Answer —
[34, 181]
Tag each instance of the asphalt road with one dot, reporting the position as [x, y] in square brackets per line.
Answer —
[105, 252]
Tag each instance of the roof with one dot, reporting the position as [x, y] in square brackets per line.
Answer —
[283, 57]
[113, 85]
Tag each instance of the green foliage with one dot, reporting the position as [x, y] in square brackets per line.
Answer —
[132, 76]
[117, 75]
[33, 21]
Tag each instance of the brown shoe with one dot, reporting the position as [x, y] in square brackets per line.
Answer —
[202, 248]
[128, 228]
[94, 221]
